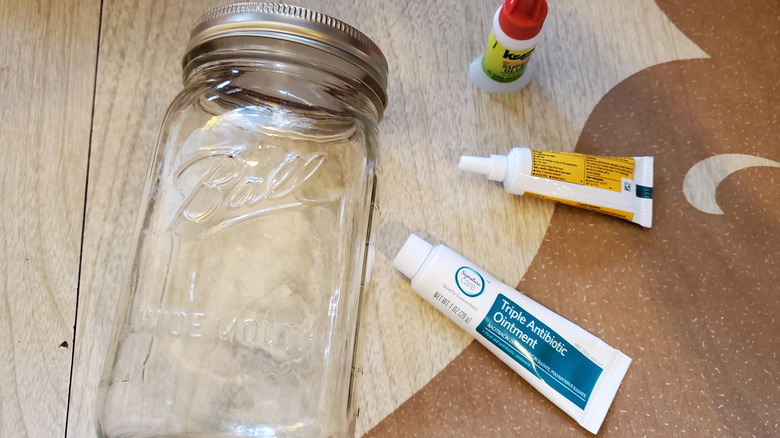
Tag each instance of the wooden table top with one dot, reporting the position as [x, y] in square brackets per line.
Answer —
[693, 300]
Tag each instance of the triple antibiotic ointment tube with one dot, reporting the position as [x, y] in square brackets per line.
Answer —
[505, 67]
[574, 369]
[617, 186]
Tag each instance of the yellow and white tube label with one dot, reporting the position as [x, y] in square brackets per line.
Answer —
[588, 170]
[622, 214]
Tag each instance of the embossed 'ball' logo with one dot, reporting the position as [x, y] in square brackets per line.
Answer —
[469, 281]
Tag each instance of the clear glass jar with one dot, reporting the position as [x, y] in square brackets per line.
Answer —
[241, 313]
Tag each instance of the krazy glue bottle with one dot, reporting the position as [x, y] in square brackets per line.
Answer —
[505, 66]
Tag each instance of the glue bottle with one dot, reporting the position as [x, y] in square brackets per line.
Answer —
[505, 66]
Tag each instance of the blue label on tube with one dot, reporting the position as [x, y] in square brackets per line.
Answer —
[540, 350]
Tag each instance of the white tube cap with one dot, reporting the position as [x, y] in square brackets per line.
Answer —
[412, 255]
[494, 167]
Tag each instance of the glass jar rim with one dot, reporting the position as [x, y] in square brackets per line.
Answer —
[294, 24]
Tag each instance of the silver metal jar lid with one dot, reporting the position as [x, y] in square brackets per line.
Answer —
[241, 22]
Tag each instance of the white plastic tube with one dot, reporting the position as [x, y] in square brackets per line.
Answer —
[618, 186]
[575, 370]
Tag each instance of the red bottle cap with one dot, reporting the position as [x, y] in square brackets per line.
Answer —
[522, 19]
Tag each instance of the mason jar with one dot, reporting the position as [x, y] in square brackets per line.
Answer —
[241, 311]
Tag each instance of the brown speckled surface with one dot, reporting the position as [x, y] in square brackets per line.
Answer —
[693, 301]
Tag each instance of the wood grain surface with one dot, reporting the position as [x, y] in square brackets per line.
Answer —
[84, 88]
[47, 73]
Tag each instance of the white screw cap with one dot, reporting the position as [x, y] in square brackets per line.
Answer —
[412, 255]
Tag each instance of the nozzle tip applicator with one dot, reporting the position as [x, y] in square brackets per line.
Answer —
[494, 167]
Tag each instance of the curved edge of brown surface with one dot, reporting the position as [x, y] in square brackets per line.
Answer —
[692, 300]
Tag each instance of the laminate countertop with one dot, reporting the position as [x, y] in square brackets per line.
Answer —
[693, 300]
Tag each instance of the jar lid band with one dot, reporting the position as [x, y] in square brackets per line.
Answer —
[294, 24]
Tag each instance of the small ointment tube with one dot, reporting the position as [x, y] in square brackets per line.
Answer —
[575, 370]
[617, 186]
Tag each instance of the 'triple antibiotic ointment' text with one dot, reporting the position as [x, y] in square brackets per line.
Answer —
[574, 369]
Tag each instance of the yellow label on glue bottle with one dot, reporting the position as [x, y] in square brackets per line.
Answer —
[503, 65]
